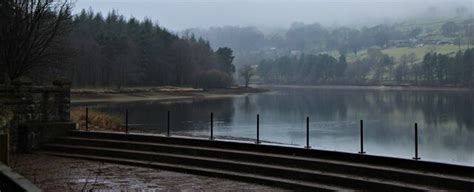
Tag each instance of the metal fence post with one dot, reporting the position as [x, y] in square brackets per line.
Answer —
[416, 143]
[126, 120]
[307, 133]
[87, 119]
[168, 125]
[361, 137]
[212, 126]
[258, 129]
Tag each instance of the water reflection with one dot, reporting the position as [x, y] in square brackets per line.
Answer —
[185, 116]
[445, 120]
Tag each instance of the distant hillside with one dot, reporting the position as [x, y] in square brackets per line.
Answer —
[418, 35]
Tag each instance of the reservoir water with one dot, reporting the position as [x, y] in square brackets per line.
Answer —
[445, 120]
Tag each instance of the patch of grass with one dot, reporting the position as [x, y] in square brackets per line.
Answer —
[421, 51]
[397, 52]
[98, 121]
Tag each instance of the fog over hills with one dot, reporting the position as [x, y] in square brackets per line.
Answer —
[269, 14]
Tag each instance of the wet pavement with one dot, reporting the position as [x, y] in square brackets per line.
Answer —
[52, 173]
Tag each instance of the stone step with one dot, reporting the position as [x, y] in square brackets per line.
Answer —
[313, 176]
[340, 167]
[246, 177]
[457, 172]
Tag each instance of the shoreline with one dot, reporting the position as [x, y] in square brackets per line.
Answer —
[169, 93]
[369, 87]
[162, 94]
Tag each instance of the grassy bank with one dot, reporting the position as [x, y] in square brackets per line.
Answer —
[167, 93]
[97, 121]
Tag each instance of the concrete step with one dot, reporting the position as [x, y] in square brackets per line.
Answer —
[457, 172]
[246, 177]
[343, 180]
[401, 175]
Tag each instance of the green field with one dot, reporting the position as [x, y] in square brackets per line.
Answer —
[419, 51]
[432, 24]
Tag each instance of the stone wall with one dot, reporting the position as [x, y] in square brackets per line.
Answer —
[34, 105]
[12, 181]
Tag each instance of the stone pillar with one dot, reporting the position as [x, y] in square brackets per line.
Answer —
[23, 110]
[63, 98]
[40, 113]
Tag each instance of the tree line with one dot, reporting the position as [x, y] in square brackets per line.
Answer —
[376, 68]
[304, 69]
[42, 40]
[438, 69]
[113, 51]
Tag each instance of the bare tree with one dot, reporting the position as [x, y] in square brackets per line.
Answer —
[246, 72]
[29, 30]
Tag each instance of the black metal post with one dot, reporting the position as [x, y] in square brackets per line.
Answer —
[361, 137]
[307, 133]
[126, 120]
[168, 125]
[258, 129]
[416, 143]
[212, 127]
[87, 119]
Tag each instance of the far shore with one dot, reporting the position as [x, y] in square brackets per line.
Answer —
[166, 93]
[369, 87]
[170, 93]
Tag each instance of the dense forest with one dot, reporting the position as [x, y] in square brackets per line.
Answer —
[112, 51]
[43, 40]
[376, 68]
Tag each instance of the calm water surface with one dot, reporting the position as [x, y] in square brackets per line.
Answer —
[445, 120]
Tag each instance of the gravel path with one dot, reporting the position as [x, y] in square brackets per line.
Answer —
[52, 173]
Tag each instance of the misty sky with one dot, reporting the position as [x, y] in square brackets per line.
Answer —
[182, 14]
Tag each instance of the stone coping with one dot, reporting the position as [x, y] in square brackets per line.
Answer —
[19, 182]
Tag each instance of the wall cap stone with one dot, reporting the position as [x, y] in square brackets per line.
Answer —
[17, 179]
